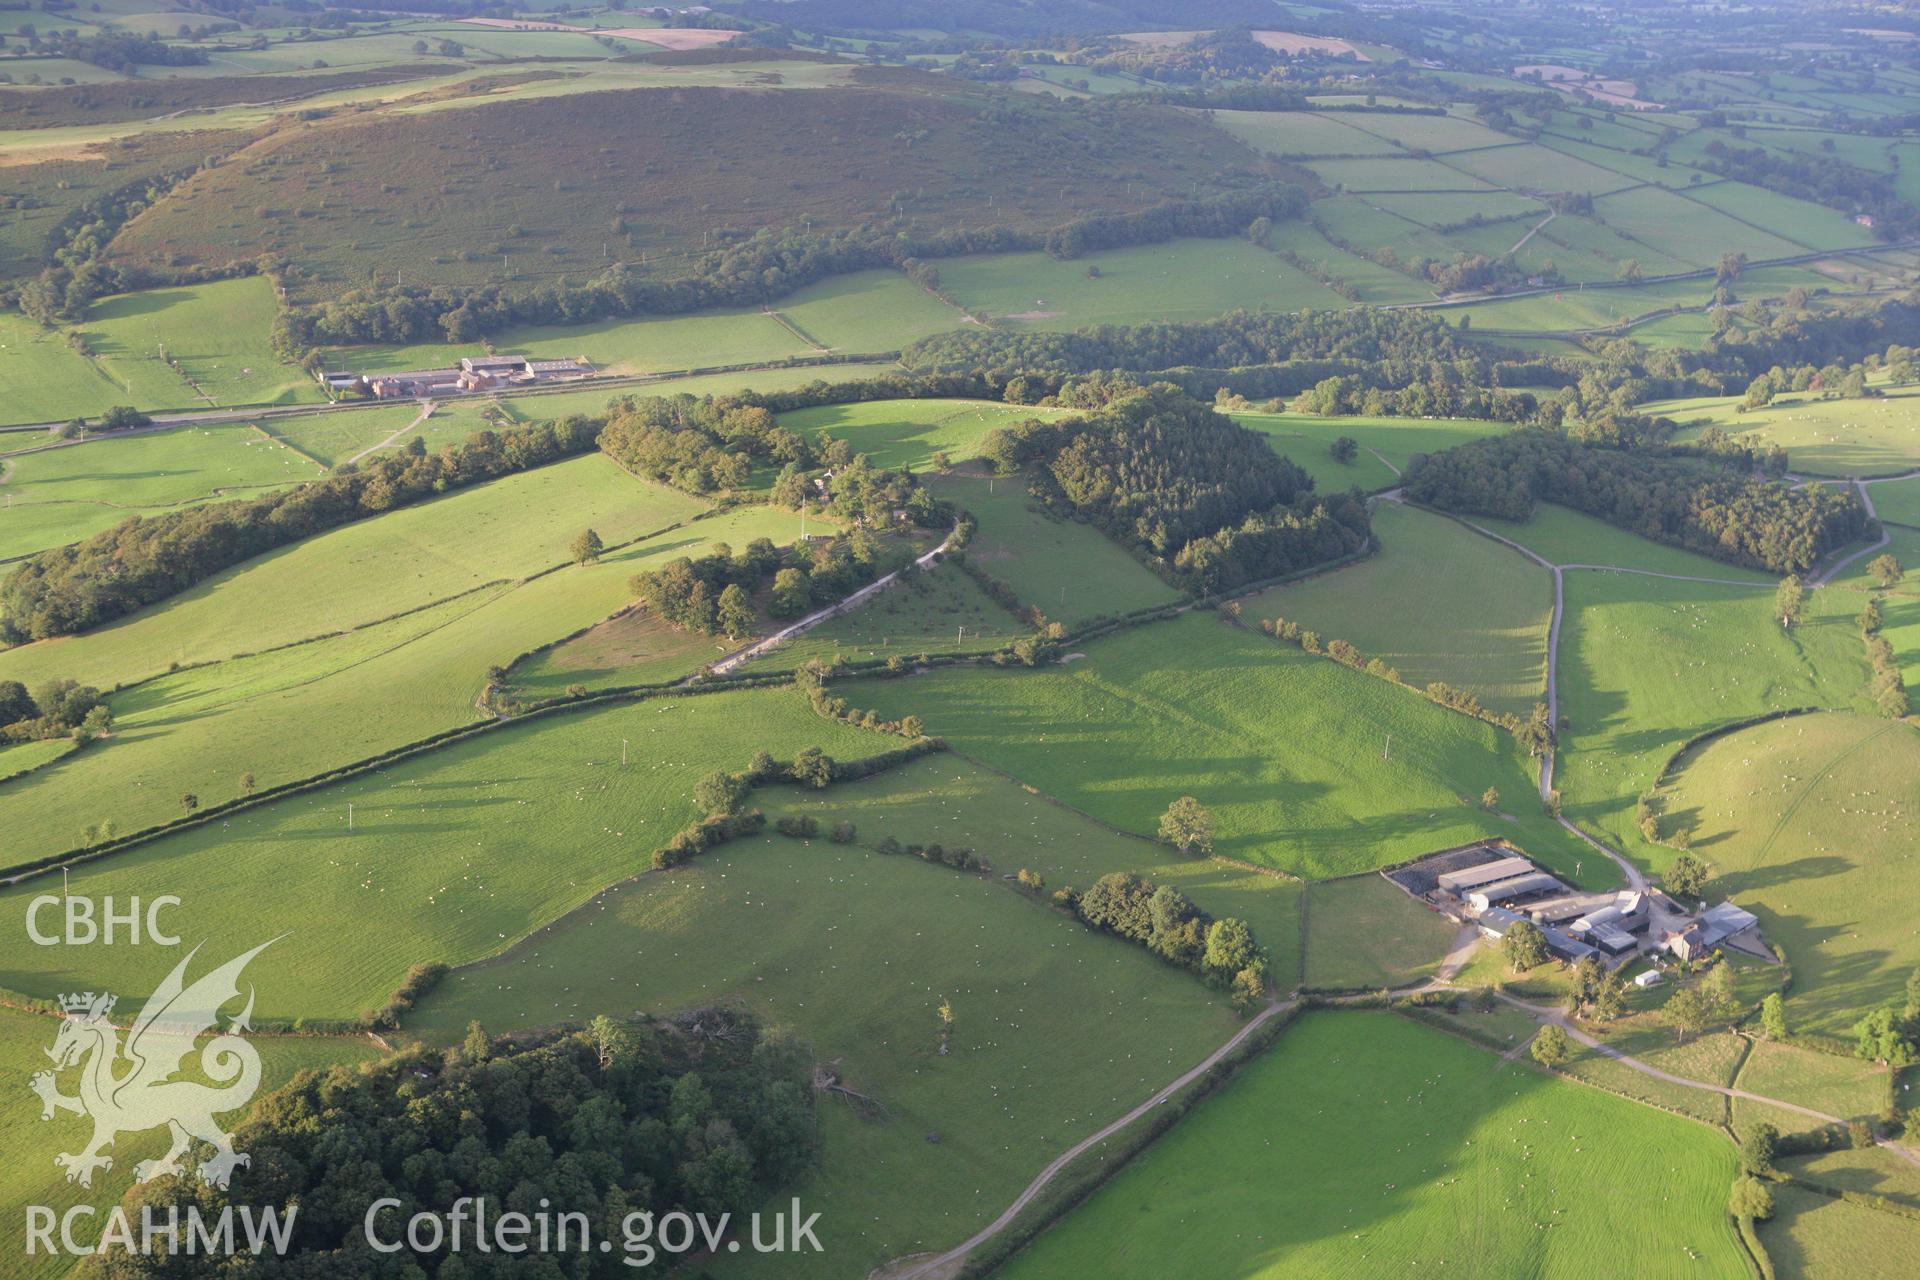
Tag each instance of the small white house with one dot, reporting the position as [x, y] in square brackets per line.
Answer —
[1651, 978]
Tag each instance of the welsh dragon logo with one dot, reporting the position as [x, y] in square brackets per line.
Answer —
[130, 1087]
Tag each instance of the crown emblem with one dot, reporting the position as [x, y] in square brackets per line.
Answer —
[87, 1002]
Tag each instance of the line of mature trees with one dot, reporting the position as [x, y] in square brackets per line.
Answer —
[1889, 681]
[1717, 512]
[759, 269]
[708, 1113]
[145, 559]
[1196, 495]
[56, 709]
[1166, 922]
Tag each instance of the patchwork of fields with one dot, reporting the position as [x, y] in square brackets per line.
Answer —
[451, 733]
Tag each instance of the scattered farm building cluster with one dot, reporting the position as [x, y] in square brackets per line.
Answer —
[1495, 888]
[473, 373]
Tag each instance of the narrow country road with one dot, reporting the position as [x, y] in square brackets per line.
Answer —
[1558, 1017]
[1866, 500]
[919, 1269]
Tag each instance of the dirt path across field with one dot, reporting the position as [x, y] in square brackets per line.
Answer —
[426, 411]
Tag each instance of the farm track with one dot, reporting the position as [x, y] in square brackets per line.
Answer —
[426, 411]
[814, 619]
[945, 1264]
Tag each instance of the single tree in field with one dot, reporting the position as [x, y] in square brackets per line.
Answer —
[946, 1024]
[1773, 1016]
[1524, 946]
[1550, 1047]
[734, 616]
[478, 1046]
[1187, 826]
[246, 783]
[1490, 799]
[1885, 568]
[1344, 449]
[1686, 878]
[1718, 988]
[189, 801]
[1758, 1148]
[1750, 1199]
[1790, 601]
[586, 547]
[1689, 1010]
[719, 792]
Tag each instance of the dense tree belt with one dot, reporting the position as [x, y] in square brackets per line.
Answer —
[1719, 512]
[1398, 345]
[707, 1113]
[758, 270]
[145, 559]
[1198, 497]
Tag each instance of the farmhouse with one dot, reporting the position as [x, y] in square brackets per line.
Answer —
[1725, 924]
[473, 373]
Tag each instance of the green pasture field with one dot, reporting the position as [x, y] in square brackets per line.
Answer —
[662, 344]
[939, 611]
[1186, 707]
[1646, 663]
[20, 757]
[908, 433]
[1448, 209]
[1801, 221]
[1179, 280]
[1539, 168]
[1362, 931]
[365, 571]
[1688, 331]
[61, 495]
[1812, 1236]
[1438, 134]
[47, 380]
[1573, 308]
[1688, 229]
[1356, 221]
[200, 729]
[1561, 535]
[953, 801]
[1056, 1029]
[866, 312]
[630, 648]
[452, 855]
[217, 335]
[1301, 133]
[1808, 821]
[1392, 441]
[1397, 173]
[1875, 436]
[332, 437]
[1392, 1147]
[1437, 602]
[1844, 1087]
[1371, 281]
[1584, 236]
[1069, 570]
[27, 1172]
[1871, 1169]
[1898, 502]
